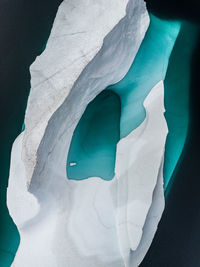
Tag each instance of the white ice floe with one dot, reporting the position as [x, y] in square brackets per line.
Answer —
[91, 222]
[138, 161]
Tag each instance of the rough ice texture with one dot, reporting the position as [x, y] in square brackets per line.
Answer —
[91, 222]
[77, 35]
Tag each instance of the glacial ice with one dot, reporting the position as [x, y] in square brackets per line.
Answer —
[102, 55]
[92, 222]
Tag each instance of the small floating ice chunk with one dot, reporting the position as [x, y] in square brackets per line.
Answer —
[71, 164]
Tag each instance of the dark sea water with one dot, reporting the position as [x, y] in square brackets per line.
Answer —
[24, 29]
[177, 240]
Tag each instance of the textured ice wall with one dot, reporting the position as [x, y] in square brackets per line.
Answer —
[56, 234]
[76, 37]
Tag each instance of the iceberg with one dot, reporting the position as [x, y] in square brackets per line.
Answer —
[80, 60]
[86, 175]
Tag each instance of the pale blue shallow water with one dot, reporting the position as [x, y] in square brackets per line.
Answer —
[93, 145]
[90, 153]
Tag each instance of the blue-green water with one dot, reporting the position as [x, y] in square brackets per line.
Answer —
[177, 86]
[148, 68]
[9, 236]
[23, 127]
[95, 138]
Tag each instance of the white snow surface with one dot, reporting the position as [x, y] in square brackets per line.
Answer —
[90, 222]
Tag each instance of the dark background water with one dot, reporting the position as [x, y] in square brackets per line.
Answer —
[177, 241]
[24, 29]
